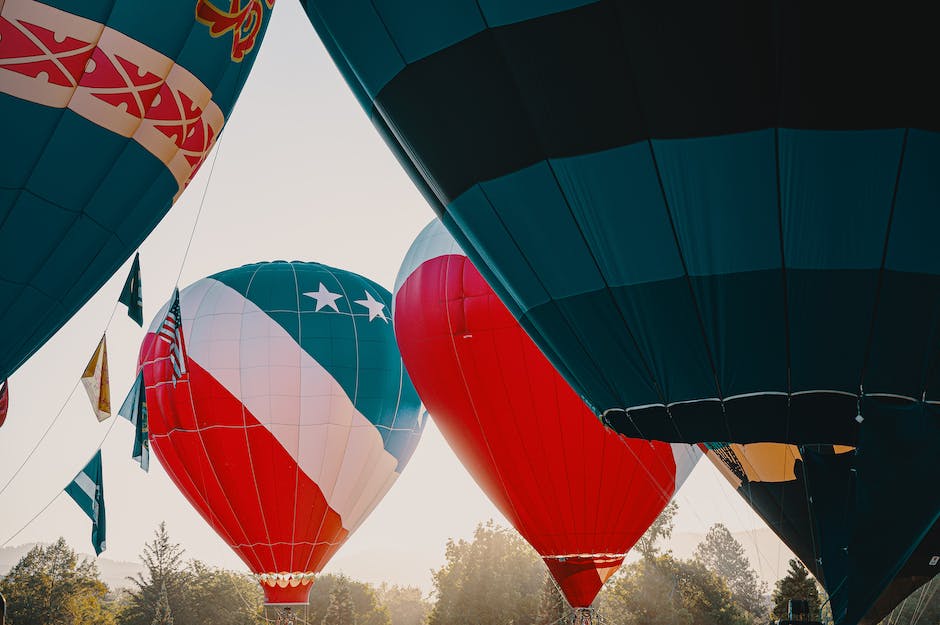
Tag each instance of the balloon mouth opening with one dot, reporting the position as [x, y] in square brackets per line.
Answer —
[285, 589]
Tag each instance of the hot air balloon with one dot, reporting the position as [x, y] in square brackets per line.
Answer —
[715, 219]
[288, 416]
[803, 512]
[107, 110]
[579, 493]
[4, 400]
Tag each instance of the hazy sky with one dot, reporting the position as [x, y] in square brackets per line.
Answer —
[301, 175]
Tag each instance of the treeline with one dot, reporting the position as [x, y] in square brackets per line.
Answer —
[50, 585]
[494, 578]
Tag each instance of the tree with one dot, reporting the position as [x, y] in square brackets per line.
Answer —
[405, 604]
[340, 610]
[667, 590]
[163, 616]
[552, 605]
[218, 597]
[723, 555]
[797, 584]
[366, 606]
[50, 586]
[165, 568]
[493, 579]
[660, 530]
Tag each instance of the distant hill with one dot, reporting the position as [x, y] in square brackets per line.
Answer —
[113, 573]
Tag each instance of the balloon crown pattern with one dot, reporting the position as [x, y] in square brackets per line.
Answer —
[244, 22]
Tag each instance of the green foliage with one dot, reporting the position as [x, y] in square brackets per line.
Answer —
[552, 605]
[162, 615]
[218, 597]
[723, 555]
[367, 610]
[797, 584]
[660, 530]
[405, 604]
[493, 579]
[340, 610]
[668, 590]
[193, 592]
[165, 569]
[49, 586]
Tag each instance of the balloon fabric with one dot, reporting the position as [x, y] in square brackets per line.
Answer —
[579, 493]
[293, 415]
[715, 219]
[108, 108]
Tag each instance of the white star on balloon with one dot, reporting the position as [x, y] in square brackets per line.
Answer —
[376, 308]
[324, 298]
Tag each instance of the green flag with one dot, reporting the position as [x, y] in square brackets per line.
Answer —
[87, 489]
[131, 295]
[134, 409]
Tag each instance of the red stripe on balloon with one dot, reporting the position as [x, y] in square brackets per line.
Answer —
[235, 472]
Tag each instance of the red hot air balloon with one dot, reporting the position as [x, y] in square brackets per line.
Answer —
[279, 405]
[4, 400]
[578, 492]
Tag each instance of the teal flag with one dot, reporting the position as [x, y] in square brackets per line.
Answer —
[87, 489]
[134, 409]
[131, 295]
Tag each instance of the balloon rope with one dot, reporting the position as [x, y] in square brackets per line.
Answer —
[202, 201]
[250, 608]
[41, 438]
[114, 419]
[57, 415]
[35, 516]
[926, 604]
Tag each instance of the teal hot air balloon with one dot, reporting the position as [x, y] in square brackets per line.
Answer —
[107, 110]
[718, 220]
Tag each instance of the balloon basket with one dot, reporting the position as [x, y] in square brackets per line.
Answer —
[284, 615]
[584, 616]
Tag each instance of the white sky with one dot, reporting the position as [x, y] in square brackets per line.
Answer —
[301, 175]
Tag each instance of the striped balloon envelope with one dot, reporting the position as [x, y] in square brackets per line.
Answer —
[108, 108]
[290, 415]
[579, 493]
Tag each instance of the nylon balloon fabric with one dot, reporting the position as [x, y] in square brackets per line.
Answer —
[294, 415]
[108, 108]
[580, 494]
[713, 218]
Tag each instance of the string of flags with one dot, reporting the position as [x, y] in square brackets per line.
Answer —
[87, 488]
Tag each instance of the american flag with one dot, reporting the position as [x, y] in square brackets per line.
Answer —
[172, 332]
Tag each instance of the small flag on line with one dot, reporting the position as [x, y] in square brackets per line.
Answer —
[4, 400]
[171, 331]
[134, 409]
[131, 295]
[87, 489]
[95, 379]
